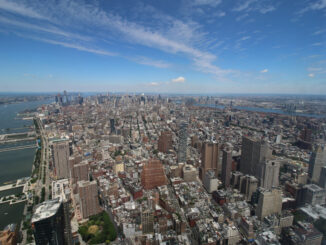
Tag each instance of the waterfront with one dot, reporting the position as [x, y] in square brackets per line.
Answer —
[8, 115]
[265, 110]
[10, 213]
[17, 163]
[12, 191]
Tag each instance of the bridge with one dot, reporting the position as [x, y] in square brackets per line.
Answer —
[17, 148]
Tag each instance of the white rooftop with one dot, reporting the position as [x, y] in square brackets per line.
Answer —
[46, 210]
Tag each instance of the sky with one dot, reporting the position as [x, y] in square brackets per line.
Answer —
[164, 46]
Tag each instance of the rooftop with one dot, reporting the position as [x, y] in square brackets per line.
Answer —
[46, 210]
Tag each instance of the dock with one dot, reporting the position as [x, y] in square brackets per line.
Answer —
[17, 137]
[18, 148]
[18, 183]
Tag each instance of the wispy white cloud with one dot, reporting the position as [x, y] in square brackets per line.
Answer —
[315, 5]
[264, 71]
[260, 6]
[71, 45]
[321, 4]
[154, 84]
[317, 44]
[244, 38]
[48, 28]
[244, 5]
[266, 9]
[177, 38]
[315, 69]
[319, 32]
[150, 62]
[212, 3]
[241, 17]
[314, 56]
[311, 75]
[220, 14]
[151, 38]
[178, 80]
[15, 8]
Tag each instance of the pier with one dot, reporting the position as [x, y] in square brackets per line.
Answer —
[17, 137]
[18, 148]
[10, 186]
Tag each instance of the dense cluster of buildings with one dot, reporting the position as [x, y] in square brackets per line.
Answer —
[168, 173]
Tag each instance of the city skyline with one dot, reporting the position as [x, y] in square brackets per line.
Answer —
[201, 46]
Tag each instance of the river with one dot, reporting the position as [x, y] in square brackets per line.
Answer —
[18, 163]
[265, 110]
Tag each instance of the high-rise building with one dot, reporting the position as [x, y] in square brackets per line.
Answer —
[153, 175]
[112, 125]
[306, 135]
[80, 99]
[269, 174]
[247, 186]
[317, 161]
[189, 173]
[61, 190]
[322, 178]
[80, 172]
[147, 221]
[61, 158]
[253, 152]
[235, 179]
[88, 198]
[210, 181]
[226, 167]
[48, 223]
[269, 202]
[209, 158]
[314, 195]
[182, 148]
[165, 141]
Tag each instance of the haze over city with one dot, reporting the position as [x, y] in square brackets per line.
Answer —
[199, 46]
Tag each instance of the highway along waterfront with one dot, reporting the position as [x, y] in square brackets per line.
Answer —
[16, 157]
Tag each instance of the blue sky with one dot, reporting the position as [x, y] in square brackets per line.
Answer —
[186, 46]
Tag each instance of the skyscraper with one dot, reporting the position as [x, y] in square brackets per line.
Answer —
[253, 152]
[48, 223]
[247, 186]
[147, 221]
[182, 149]
[88, 195]
[61, 158]
[80, 172]
[165, 141]
[61, 190]
[269, 174]
[270, 202]
[317, 161]
[226, 167]
[112, 125]
[322, 178]
[210, 181]
[153, 175]
[209, 158]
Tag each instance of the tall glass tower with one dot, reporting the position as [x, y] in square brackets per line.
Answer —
[182, 149]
